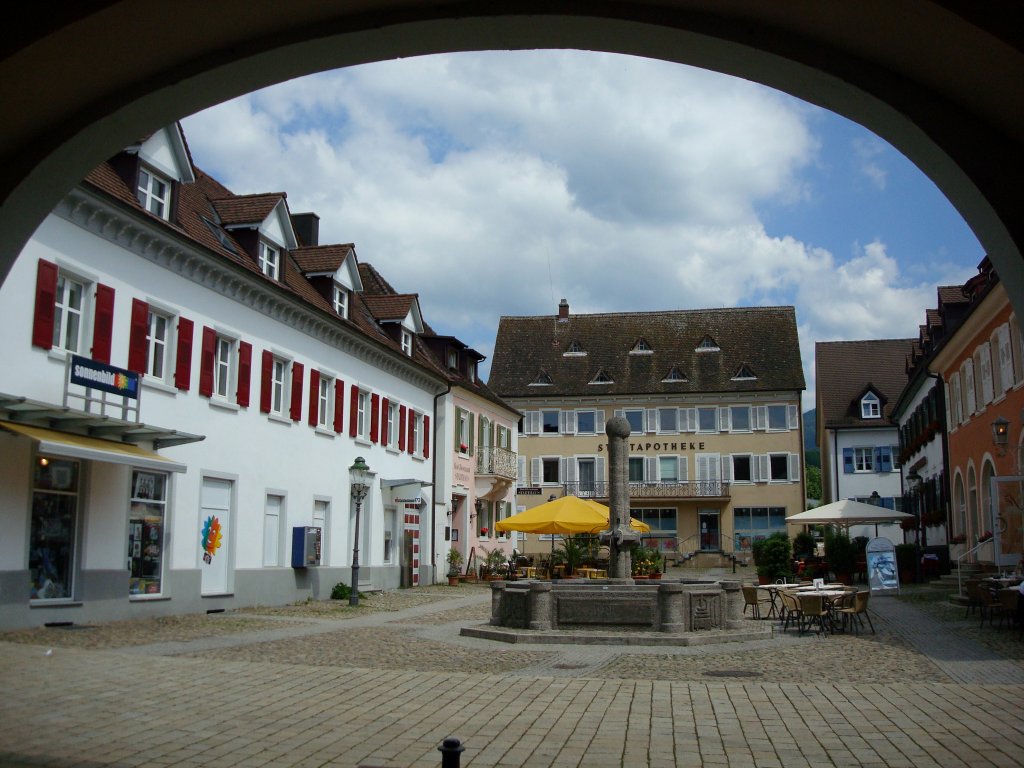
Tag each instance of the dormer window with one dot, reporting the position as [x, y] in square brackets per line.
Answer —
[340, 301]
[602, 378]
[745, 373]
[154, 194]
[471, 372]
[708, 344]
[641, 347]
[675, 375]
[542, 380]
[406, 342]
[453, 359]
[575, 350]
[870, 406]
[269, 260]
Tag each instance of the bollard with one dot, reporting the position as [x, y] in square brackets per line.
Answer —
[451, 749]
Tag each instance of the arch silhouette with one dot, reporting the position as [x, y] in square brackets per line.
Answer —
[939, 79]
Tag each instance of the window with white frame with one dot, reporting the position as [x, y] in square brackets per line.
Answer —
[416, 429]
[549, 422]
[636, 469]
[778, 418]
[269, 260]
[707, 419]
[778, 467]
[863, 459]
[325, 401]
[273, 521]
[363, 415]
[742, 468]
[223, 366]
[668, 469]
[586, 423]
[157, 347]
[635, 417]
[153, 193]
[406, 342]
[453, 358]
[68, 313]
[278, 386]
[393, 415]
[470, 366]
[668, 420]
[870, 406]
[739, 418]
[550, 466]
[463, 431]
[340, 301]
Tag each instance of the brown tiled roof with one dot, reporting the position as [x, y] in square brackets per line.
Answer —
[246, 209]
[373, 281]
[321, 258]
[394, 307]
[845, 370]
[952, 294]
[762, 338]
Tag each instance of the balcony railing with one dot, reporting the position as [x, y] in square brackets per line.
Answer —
[696, 489]
[496, 461]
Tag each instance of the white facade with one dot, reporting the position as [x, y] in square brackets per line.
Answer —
[861, 462]
[260, 474]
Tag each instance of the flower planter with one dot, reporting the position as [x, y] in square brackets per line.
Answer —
[453, 581]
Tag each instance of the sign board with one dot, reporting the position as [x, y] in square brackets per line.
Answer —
[883, 576]
[528, 491]
[106, 378]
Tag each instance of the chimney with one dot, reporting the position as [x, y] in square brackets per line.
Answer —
[307, 228]
[563, 311]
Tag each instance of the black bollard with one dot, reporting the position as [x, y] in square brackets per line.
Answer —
[451, 749]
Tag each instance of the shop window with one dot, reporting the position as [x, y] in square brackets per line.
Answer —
[51, 558]
[146, 521]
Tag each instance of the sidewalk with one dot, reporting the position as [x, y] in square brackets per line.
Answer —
[384, 689]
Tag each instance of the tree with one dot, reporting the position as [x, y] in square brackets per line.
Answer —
[813, 482]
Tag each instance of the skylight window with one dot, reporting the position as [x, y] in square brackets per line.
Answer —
[708, 344]
[745, 373]
[641, 347]
[675, 375]
[542, 380]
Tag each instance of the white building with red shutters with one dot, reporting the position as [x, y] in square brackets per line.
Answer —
[260, 373]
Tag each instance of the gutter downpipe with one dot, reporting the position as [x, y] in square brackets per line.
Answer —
[433, 477]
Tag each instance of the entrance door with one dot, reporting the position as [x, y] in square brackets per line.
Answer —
[710, 540]
[215, 535]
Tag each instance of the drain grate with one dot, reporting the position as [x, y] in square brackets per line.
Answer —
[571, 666]
[731, 673]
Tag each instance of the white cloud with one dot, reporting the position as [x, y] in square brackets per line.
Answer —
[867, 151]
[497, 183]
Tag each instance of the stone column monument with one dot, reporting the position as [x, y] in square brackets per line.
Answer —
[619, 538]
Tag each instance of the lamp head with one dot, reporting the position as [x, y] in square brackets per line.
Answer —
[359, 478]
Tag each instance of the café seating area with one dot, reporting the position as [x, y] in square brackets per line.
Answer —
[825, 608]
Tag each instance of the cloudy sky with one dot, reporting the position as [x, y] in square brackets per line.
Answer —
[497, 183]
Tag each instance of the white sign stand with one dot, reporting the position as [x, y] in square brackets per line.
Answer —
[883, 575]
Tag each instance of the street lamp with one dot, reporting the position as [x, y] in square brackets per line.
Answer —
[359, 481]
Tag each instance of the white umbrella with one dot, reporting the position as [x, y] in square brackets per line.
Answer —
[846, 513]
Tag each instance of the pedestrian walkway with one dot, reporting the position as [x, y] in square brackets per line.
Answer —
[279, 696]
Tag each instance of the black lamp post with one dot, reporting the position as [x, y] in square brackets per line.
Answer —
[914, 482]
[359, 481]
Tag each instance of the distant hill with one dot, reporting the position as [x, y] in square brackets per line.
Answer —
[812, 456]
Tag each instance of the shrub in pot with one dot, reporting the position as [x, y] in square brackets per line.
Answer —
[773, 557]
[841, 556]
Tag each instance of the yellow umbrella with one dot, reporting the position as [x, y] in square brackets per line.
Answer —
[567, 515]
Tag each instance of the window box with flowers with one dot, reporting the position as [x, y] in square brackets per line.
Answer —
[463, 448]
[483, 532]
[986, 536]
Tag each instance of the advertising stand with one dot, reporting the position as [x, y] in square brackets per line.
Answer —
[883, 576]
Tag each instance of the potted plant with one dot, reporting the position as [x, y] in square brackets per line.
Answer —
[773, 557]
[841, 556]
[454, 559]
[494, 563]
[573, 550]
[483, 532]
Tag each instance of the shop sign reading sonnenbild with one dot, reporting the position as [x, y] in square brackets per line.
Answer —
[107, 378]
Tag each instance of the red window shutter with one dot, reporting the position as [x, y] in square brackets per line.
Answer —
[103, 323]
[353, 412]
[298, 375]
[385, 435]
[138, 349]
[410, 429]
[339, 406]
[374, 417]
[426, 437]
[46, 299]
[401, 427]
[207, 357]
[266, 373]
[183, 355]
[244, 373]
[314, 397]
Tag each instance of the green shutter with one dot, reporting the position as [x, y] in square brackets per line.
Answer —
[458, 428]
[472, 427]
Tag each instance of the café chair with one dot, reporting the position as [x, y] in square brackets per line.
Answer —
[852, 613]
[750, 600]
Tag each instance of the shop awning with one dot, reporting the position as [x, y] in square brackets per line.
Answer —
[91, 448]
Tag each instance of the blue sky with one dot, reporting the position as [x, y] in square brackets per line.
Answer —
[499, 182]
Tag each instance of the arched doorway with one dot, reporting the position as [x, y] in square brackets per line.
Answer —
[957, 117]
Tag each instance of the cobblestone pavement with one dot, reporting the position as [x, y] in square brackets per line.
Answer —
[382, 685]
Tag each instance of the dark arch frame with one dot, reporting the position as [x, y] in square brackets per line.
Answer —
[942, 80]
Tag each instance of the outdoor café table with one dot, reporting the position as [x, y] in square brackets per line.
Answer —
[773, 595]
[828, 597]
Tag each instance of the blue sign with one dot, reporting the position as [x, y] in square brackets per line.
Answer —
[107, 378]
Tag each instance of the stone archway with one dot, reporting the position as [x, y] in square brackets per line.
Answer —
[939, 80]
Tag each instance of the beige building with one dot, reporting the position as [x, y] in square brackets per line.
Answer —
[713, 399]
